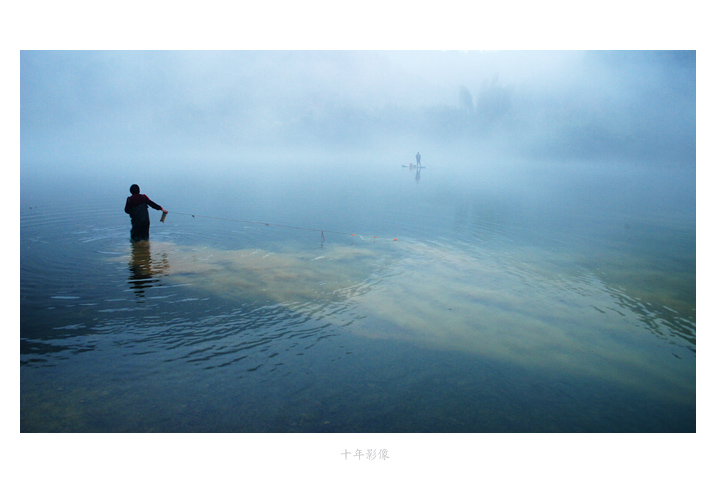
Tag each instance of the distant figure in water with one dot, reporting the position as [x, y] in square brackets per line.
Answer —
[136, 208]
[417, 158]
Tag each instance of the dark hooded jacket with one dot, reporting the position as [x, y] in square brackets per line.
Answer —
[136, 208]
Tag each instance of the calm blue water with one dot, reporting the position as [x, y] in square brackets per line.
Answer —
[517, 298]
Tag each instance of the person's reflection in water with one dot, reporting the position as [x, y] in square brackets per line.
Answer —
[144, 270]
[417, 175]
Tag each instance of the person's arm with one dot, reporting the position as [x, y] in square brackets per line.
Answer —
[153, 204]
[126, 206]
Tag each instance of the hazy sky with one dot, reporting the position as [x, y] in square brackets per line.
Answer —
[103, 107]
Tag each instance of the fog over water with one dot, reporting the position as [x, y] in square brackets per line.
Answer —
[538, 274]
[117, 110]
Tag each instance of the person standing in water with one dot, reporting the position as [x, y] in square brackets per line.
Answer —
[136, 208]
[417, 158]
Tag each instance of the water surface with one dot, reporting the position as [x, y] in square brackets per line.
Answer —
[342, 297]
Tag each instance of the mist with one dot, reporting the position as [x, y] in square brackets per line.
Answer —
[106, 111]
[536, 274]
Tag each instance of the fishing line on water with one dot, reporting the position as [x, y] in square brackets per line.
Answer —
[278, 225]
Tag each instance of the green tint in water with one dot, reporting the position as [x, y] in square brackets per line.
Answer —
[517, 309]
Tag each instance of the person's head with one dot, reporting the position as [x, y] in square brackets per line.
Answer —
[134, 189]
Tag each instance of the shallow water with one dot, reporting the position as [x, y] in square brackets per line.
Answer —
[528, 297]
